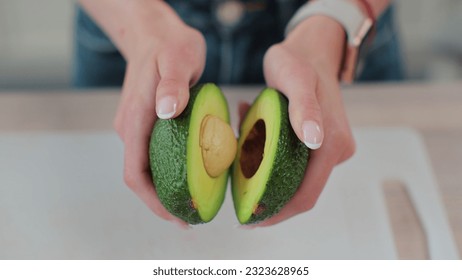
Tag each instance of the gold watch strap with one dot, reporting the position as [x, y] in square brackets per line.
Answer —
[355, 23]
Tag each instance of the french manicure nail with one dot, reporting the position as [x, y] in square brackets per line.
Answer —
[166, 107]
[312, 135]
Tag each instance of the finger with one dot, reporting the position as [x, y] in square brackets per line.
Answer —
[172, 97]
[127, 87]
[172, 93]
[139, 84]
[299, 83]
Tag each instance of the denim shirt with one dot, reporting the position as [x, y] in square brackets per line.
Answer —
[234, 51]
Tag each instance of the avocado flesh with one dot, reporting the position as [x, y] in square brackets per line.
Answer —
[261, 189]
[182, 183]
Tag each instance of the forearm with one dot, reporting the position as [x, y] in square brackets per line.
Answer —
[127, 22]
[322, 39]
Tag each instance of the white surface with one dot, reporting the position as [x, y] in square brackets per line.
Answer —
[62, 196]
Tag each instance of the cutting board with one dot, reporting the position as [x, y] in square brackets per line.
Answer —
[62, 196]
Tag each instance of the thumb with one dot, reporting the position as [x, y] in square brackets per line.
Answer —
[172, 96]
[298, 82]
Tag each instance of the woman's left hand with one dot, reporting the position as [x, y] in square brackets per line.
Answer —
[305, 68]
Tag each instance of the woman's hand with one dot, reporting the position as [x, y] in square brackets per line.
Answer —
[164, 58]
[305, 68]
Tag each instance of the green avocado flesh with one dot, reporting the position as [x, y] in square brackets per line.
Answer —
[182, 183]
[270, 162]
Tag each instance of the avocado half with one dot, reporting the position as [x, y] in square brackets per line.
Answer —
[270, 162]
[182, 182]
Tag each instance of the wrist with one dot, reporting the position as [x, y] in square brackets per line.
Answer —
[147, 23]
[320, 41]
[132, 24]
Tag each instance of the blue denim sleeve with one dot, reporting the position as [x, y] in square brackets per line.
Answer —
[382, 59]
[96, 61]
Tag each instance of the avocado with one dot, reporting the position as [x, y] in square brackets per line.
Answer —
[190, 156]
[270, 162]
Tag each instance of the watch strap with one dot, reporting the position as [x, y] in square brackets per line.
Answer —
[349, 15]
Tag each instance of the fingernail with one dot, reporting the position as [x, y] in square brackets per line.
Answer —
[166, 107]
[312, 135]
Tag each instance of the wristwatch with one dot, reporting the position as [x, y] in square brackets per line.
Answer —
[354, 21]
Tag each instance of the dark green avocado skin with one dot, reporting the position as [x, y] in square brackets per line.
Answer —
[288, 169]
[167, 157]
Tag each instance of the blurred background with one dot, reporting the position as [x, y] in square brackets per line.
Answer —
[36, 41]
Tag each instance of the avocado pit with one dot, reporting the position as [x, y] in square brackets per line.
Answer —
[218, 145]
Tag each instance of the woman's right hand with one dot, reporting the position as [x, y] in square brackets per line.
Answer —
[165, 57]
